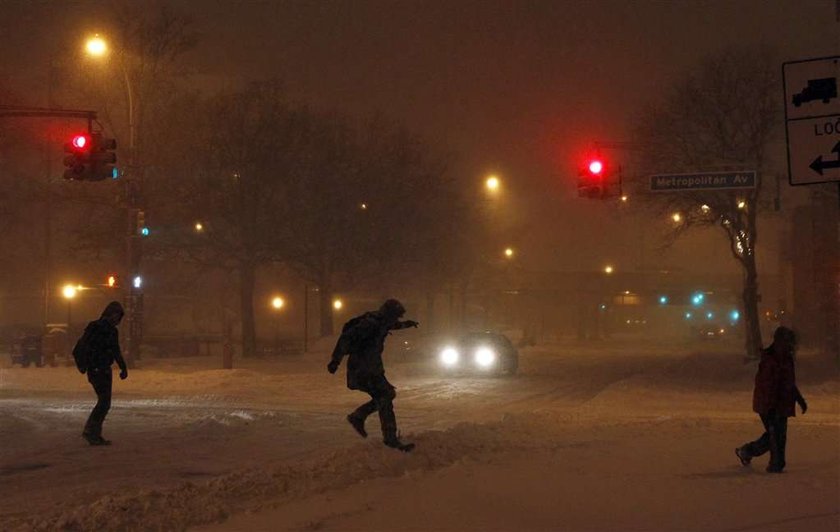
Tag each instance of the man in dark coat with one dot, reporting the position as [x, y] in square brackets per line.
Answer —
[363, 339]
[774, 397]
[102, 346]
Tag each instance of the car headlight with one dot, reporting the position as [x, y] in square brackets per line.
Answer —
[449, 356]
[485, 357]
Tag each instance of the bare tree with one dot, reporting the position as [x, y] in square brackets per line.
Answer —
[724, 115]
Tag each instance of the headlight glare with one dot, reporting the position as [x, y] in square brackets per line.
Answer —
[449, 356]
[485, 357]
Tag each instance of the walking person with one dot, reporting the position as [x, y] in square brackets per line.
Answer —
[95, 353]
[774, 397]
[363, 339]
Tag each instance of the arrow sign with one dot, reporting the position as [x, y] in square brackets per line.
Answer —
[819, 165]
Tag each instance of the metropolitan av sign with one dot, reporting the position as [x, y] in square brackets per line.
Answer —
[702, 181]
[812, 120]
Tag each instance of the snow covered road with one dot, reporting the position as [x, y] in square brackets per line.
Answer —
[196, 445]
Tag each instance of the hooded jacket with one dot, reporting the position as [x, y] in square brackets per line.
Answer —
[775, 384]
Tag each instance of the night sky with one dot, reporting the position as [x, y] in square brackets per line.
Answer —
[517, 88]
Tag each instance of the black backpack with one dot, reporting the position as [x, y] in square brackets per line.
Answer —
[82, 350]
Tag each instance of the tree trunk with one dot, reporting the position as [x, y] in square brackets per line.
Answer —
[325, 308]
[752, 328]
[247, 277]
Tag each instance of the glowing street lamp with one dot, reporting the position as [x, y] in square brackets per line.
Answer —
[277, 302]
[338, 304]
[199, 227]
[69, 292]
[677, 217]
[608, 269]
[492, 183]
[509, 253]
[96, 46]
[742, 204]
[705, 209]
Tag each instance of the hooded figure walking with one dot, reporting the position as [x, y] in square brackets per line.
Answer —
[773, 400]
[95, 353]
[363, 339]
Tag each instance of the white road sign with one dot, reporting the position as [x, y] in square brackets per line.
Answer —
[812, 120]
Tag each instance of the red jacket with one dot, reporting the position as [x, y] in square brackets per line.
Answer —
[775, 384]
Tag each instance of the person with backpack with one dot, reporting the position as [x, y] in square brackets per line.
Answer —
[363, 339]
[95, 353]
[774, 397]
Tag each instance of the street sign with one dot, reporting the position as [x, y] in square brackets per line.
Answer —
[812, 120]
[702, 181]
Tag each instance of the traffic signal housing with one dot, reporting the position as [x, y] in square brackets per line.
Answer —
[78, 159]
[102, 158]
[91, 157]
[592, 179]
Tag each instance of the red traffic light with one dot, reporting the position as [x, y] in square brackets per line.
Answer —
[595, 167]
[80, 142]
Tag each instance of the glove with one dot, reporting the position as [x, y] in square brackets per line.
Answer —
[411, 323]
[332, 367]
[123, 374]
[803, 405]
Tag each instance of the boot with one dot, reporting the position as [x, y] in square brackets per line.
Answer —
[743, 455]
[395, 443]
[358, 424]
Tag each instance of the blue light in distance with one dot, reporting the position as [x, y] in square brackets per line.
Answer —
[663, 300]
[697, 299]
[735, 315]
[709, 315]
[145, 231]
[115, 173]
[688, 315]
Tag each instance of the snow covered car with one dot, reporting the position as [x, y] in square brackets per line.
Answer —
[481, 353]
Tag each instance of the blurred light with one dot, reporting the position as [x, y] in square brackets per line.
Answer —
[145, 231]
[199, 227]
[677, 217]
[449, 356]
[742, 204]
[80, 142]
[608, 269]
[492, 183]
[485, 357]
[138, 281]
[663, 300]
[735, 315]
[603, 306]
[338, 304]
[277, 302]
[722, 331]
[688, 315]
[112, 281]
[69, 291]
[115, 173]
[697, 299]
[509, 253]
[709, 315]
[363, 206]
[96, 46]
[595, 167]
[705, 208]
[624, 198]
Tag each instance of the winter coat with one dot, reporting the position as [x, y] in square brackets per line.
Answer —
[104, 345]
[363, 339]
[775, 384]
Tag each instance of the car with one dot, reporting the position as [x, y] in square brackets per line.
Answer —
[713, 331]
[479, 353]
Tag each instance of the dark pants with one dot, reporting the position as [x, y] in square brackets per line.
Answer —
[773, 440]
[101, 381]
[382, 400]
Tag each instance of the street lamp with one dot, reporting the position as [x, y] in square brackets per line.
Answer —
[96, 46]
[492, 183]
[69, 292]
[608, 269]
[509, 253]
[277, 304]
[677, 217]
[338, 304]
[199, 227]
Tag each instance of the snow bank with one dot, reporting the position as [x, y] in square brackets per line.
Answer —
[212, 501]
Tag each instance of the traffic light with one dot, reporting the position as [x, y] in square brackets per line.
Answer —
[91, 158]
[592, 179]
[79, 157]
[102, 158]
[140, 224]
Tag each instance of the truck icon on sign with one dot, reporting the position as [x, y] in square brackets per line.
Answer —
[818, 89]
